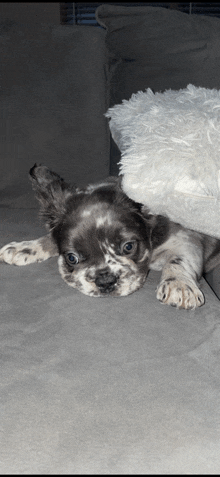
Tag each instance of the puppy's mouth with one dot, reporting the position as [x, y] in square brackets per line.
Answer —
[106, 282]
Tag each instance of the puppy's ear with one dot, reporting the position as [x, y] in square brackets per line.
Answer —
[159, 226]
[52, 193]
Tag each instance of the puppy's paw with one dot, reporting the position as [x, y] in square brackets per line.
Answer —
[177, 292]
[23, 253]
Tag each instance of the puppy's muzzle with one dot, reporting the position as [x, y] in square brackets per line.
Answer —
[105, 281]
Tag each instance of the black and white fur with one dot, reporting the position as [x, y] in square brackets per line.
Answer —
[106, 243]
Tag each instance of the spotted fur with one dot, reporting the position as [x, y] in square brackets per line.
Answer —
[106, 243]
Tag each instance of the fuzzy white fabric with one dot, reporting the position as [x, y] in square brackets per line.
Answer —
[170, 144]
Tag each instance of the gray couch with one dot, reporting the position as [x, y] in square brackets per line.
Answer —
[88, 385]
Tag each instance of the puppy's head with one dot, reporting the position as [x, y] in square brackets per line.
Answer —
[103, 237]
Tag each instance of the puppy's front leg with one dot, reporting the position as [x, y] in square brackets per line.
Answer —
[30, 251]
[181, 264]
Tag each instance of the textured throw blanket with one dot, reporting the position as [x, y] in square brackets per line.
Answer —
[170, 145]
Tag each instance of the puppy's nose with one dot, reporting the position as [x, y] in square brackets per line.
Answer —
[105, 281]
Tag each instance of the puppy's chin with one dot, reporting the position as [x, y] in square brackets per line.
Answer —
[129, 280]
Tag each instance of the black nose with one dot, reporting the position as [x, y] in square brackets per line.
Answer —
[105, 281]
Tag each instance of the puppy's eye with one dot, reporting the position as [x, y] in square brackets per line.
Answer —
[72, 259]
[128, 247]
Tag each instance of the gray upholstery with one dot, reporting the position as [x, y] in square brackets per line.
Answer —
[122, 385]
[157, 48]
[53, 100]
[114, 385]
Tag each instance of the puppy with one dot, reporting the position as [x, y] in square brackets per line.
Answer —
[106, 243]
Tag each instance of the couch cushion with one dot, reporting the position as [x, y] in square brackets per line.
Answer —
[159, 48]
[53, 100]
[103, 385]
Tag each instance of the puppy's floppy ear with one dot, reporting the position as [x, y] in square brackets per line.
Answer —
[52, 193]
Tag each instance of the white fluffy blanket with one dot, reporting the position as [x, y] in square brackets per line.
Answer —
[170, 144]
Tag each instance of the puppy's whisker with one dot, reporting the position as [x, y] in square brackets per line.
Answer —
[145, 256]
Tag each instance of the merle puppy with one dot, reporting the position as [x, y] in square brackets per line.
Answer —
[106, 243]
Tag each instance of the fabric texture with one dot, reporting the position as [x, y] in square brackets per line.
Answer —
[159, 48]
[170, 162]
[52, 75]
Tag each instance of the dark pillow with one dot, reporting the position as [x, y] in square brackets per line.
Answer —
[159, 48]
